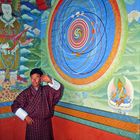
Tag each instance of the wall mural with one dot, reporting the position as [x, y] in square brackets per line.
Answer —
[88, 49]
[92, 47]
[19, 46]
[86, 39]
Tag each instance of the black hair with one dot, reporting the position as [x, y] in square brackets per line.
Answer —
[37, 71]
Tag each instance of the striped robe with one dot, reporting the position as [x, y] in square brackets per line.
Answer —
[40, 107]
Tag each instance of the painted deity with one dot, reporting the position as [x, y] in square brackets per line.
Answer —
[11, 37]
[120, 95]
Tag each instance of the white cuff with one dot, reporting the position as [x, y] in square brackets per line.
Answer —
[55, 85]
[21, 113]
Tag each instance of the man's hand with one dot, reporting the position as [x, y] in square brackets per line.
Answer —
[29, 120]
[46, 78]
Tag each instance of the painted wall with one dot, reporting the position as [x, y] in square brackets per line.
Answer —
[63, 130]
[92, 47]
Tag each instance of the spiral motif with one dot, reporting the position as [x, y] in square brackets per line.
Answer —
[78, 33]
[81, 39]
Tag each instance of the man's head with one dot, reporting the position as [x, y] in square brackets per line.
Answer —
[35, 75]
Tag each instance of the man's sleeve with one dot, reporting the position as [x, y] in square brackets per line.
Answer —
[55, 85]
[56, 91]
[21, 113]
[18, 105]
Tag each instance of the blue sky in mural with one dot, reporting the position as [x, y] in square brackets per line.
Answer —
[133, 5]
[30, 16]
[44, 21]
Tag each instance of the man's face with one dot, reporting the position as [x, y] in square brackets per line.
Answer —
[36, 80]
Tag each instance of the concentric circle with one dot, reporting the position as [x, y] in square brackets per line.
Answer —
[84, 39]
[78, 33]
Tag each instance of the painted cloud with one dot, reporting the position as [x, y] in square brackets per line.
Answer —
[133, 15]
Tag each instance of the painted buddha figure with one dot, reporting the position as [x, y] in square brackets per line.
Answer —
[11, 37]
[120, 96]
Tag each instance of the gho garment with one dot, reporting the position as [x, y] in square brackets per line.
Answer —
[39, 105]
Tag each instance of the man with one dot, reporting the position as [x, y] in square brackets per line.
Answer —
[36, 104]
